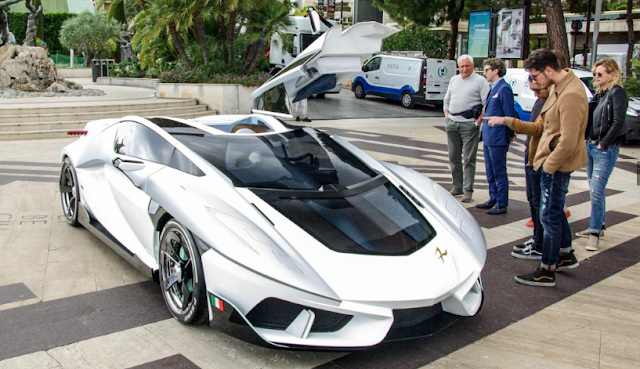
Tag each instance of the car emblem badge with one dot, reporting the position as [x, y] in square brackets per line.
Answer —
[442, 254]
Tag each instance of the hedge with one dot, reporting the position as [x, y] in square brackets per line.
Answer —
[52, 24]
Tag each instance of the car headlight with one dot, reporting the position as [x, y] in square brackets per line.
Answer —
[631, 111]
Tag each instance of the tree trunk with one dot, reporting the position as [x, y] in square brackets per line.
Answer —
[4, 26]
[256, 59]
[202, 39]
[252, 50]
[631, 37]
[557, 31]
[454, 38]
[525, 27]
[233, 15]
[223, 41]
[454, 11]
[178, 44]
[32, 24]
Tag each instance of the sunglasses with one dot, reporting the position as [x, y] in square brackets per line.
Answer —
[532, 78]
[597, 74]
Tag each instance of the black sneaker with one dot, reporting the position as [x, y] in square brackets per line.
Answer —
[541, 277]
[567, 261]
[529, 253]
[523, 245]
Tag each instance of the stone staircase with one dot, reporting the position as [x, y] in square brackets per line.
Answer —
[54, 121]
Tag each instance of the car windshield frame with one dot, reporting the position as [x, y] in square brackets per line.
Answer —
[298, 162]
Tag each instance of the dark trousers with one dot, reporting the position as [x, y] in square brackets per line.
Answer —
[532, 177]
[554, 188]
[495, 160]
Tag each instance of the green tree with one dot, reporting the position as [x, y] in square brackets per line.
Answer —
[430, 43]
[120, 10]
[163, 17]
[90, 33]
[263, 24]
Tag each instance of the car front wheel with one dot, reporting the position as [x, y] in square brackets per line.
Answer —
[359, 91]
[181, 275]
[69, 192]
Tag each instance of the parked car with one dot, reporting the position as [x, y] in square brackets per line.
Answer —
[409, 80]
[287, 231]
[633, 119]
[518, 79]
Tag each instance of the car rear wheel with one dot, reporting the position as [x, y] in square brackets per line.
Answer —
[181, 275]
[359, 91]
[407, 100]
[69, 192]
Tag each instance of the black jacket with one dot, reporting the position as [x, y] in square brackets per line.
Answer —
[608, 119]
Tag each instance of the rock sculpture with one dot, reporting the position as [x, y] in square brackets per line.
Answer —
[26, 68]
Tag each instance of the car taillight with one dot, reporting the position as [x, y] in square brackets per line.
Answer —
[76, 133]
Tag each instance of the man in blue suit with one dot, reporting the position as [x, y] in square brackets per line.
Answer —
[497, 139]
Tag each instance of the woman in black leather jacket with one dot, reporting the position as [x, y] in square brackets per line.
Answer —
[605, 132]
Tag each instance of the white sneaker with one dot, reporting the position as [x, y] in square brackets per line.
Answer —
[592, 244]
[524, 245]
[587, 233]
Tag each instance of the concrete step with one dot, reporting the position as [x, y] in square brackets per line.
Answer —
[95, 106]
[59, 129]
[143, 110]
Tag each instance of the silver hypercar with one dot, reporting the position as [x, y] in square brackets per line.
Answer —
[288, 230]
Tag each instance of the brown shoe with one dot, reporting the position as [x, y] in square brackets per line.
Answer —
[466, 197]
[455, 192]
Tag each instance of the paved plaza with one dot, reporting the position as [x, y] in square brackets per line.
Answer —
[68, 301]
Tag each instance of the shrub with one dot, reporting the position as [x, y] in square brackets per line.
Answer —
[90, 33]
[200, 75]
[632, 83]
[431, 43]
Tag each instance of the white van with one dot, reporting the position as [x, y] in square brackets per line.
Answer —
[409, 80]
[518, 79]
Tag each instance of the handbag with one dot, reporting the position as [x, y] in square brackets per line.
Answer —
[474, 112]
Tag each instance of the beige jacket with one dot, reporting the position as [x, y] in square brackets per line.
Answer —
[557, 136]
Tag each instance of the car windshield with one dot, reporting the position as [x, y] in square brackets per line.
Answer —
[302, 159]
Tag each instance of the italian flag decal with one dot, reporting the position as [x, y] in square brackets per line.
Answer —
[219, 304]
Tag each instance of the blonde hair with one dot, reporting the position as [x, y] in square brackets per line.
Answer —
[612, 68]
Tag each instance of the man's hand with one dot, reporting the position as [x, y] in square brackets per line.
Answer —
[446, 113]
[493, 121]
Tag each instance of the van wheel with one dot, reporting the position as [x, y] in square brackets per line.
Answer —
[407, 100]
[359, 91]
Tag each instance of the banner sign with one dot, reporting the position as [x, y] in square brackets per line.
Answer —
[479, 32]
[509, 33]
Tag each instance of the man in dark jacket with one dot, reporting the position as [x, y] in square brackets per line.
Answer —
[497, 139]
[532, 249]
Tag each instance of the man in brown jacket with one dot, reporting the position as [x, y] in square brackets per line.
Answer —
[556, 147]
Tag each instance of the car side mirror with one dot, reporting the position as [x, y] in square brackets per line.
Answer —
[364, 68]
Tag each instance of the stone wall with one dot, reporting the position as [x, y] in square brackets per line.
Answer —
[225, 98]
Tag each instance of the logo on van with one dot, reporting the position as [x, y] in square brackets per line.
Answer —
[442, 71]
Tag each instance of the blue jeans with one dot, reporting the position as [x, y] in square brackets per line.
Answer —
[533, 196]
[557, 234]
[600, 164]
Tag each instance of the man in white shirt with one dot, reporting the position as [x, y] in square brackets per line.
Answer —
[467, 93]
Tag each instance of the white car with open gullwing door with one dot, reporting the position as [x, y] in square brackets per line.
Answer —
[289, 231]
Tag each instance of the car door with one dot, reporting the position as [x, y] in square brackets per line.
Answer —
[373, 74]
[138, 152]
[333, 58]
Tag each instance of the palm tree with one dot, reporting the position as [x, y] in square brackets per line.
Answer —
[263, 24]
[116, 9]
[163, 16]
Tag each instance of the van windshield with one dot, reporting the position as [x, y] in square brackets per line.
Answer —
[307, 39]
